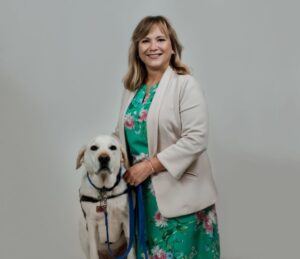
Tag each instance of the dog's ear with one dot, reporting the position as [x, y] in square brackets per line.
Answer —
[79, 159]
[124, 159]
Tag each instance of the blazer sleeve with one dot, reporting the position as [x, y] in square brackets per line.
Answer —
[194, 130]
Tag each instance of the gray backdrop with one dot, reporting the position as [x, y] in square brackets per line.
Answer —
[61, 65]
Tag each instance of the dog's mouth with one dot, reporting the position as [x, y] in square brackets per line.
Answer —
[103, 169]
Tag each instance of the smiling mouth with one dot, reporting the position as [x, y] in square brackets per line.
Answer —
[154, 55]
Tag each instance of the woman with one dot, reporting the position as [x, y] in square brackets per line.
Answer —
[163, 124]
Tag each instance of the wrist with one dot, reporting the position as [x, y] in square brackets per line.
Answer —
[150, 165]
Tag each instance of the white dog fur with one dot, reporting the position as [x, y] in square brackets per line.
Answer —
[103, 173]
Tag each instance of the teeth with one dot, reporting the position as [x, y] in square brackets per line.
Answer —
[154, 55]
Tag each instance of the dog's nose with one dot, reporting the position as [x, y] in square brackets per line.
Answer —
[104, 159]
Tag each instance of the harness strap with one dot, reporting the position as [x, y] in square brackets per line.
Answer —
[85, 198]
[83, 212]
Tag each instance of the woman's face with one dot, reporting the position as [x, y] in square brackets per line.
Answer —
[155, 50]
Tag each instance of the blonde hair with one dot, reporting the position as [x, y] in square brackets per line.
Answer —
[137, 72]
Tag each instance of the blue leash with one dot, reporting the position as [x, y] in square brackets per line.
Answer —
[141, 219]
[131, 228]
[141, 226]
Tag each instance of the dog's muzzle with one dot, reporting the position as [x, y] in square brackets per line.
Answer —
[104, 161]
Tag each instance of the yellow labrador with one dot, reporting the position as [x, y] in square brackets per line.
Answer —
[103, 188]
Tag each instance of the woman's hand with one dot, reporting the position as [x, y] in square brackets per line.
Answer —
[138, 173]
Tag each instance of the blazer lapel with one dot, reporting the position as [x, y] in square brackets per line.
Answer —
[152, 117]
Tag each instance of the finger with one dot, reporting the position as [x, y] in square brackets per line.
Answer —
[128, 179]
[125, 176]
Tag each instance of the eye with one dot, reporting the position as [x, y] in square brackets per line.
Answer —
[113, 147]
[161, 39]
[94, 148]
[144, 41]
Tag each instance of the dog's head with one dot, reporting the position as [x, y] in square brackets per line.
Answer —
[102, 156]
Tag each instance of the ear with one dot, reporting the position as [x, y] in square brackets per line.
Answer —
[124, 159]
[79, 160]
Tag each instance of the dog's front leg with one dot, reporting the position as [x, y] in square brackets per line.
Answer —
[84, 238]
[92, 232]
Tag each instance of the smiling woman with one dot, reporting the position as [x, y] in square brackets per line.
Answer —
[155, 50]
[163, 123]
[155, 38]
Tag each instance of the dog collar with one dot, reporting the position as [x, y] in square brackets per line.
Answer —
[104, 189]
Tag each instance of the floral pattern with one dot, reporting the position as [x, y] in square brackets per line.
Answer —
[158, 253]
[129, 121]
[160, 220]
[185, 237]
[207, 220]
[142, 115]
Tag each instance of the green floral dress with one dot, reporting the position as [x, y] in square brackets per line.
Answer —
[190, 236]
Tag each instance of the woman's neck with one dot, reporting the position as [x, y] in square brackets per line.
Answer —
[153, 77]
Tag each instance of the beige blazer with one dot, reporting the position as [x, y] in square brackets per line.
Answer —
[177, 134]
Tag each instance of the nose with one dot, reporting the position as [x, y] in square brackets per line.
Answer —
[104, 159]
[153, 45]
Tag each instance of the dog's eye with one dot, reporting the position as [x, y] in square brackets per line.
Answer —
[94, 147]
[113, 147]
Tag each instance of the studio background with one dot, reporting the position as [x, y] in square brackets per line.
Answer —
[61, 66]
